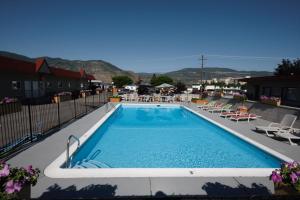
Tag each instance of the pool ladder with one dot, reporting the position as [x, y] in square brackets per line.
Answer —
[68, 148]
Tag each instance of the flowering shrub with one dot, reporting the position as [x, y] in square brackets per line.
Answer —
[12, 180]
[8, 100]
[217, 94]
[204, 95]
[289, 173]
[240, 97]
[265, 98]
[64, 94]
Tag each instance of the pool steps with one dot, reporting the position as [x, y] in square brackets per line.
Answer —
[90, 164]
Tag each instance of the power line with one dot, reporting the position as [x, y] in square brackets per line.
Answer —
[218, 56]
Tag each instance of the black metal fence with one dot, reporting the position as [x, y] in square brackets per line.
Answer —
[22, 124]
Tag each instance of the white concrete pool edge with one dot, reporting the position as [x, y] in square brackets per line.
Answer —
[54, 170]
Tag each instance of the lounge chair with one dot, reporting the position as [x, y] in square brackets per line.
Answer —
[286, 123]
[211, 103]
[244, 116]
[225, 108]
[216, 106]
[229, 114]
[287, 134]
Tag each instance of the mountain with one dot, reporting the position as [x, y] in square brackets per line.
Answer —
[102, 70]
[193, 75]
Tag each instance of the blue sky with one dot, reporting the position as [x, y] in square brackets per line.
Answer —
[155, 35]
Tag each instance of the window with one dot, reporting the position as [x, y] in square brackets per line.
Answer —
[16, 85]
[81, 85]
[291, 94]
[276, 92]
[267, 91]
[48, 84]
[41, 84]
[59, 84]
[69, 84]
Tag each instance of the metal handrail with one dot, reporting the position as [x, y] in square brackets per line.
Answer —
[112, 106]
[68, 148]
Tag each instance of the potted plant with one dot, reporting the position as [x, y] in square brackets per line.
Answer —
[287, 178]
[15, 183]
[201, 100]
[115, 99]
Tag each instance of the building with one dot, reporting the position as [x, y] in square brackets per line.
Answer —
[285, 87]
[25, 79]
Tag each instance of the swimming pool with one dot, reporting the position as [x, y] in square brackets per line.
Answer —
[150, 139]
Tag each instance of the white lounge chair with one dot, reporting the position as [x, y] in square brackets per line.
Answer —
[287, 122]
[287, 134]
[221, 109]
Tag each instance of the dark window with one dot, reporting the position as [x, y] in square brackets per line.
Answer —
[48, 84]
[59, 84]
[16, 85]
[291, 94]
[267, 91]
[276, 92]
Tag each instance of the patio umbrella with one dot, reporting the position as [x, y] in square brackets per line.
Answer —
[165, 85]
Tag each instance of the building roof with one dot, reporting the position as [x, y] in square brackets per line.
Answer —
[26, 67]
[90, 77]
[272, 78]
[17, 66]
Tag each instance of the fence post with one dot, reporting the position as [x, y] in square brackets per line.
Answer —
[58, 114]
[85, 104]
[100, 99]
[93, 101]
[74, 107]
[30, 123]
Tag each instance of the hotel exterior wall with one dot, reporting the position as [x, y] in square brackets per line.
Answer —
[275, 88]
[6, 89]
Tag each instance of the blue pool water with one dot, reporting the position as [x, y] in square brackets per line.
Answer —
[138, 136]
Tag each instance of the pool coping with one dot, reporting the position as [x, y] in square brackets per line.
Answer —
[54, 170]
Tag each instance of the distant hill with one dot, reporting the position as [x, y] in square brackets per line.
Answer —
[193, 75]
[103, 70]
[100, 69]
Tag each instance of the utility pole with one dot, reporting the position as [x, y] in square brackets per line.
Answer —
[202, 64]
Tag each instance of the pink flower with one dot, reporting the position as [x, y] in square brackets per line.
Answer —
[294, 177]
[5, 171]
[12, 187]
[276, 177]
[29, 169]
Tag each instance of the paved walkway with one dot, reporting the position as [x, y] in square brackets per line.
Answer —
[42, 154]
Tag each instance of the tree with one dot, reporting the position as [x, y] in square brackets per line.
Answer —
[155, 81]
[287, 67]
[120, 81]
[180, 87]
[143, 89]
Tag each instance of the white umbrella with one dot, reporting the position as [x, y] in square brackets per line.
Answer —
[165, 85]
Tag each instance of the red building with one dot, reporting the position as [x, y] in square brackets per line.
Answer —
[24, 79]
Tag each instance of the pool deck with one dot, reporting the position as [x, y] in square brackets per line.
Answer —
[43, 153]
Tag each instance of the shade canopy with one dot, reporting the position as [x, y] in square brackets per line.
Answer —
[165, 85]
